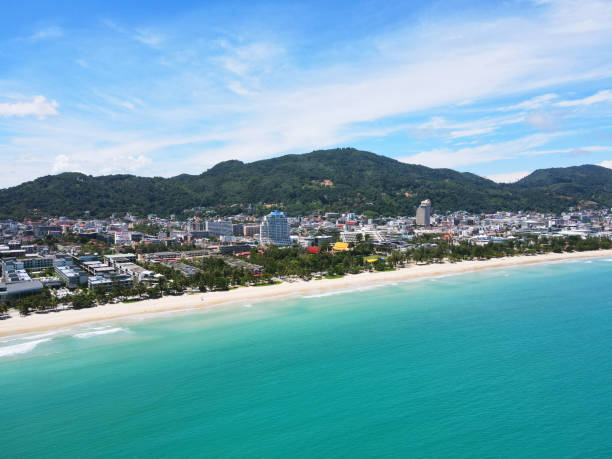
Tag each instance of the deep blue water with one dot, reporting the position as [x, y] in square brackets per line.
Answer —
[504, 363]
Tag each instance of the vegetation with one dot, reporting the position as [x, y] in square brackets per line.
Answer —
[329, 180]
[214, 274]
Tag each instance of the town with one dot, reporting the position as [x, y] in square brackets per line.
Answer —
[58, 263]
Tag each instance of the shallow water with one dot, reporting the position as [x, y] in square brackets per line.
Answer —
[503, 363]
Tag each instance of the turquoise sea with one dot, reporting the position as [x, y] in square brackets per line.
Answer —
[504, 363]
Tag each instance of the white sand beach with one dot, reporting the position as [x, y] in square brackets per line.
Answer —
[54, 320]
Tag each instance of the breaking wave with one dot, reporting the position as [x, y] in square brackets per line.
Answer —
[106, 331]
[22, 348]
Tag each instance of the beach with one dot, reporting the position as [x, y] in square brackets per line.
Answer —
[245, 295]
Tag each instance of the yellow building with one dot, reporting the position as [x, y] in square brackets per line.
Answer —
[341, 246]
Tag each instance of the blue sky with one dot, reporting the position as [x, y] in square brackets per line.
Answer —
[162, 88]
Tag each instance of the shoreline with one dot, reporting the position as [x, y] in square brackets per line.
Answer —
[57, 320]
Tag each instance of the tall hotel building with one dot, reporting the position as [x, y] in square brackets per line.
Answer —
[275, 229]
[423, 214]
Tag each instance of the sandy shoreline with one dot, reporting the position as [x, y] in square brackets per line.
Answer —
[55, 320]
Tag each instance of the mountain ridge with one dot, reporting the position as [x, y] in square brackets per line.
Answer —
[324, 180]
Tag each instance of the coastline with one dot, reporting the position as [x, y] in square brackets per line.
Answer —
[56, 320]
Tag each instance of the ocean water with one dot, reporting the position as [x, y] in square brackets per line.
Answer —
[505, 363]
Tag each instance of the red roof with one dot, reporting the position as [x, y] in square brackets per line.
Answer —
[313, 250]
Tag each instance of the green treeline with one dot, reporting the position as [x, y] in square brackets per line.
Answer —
[330, 180]
[214, 274]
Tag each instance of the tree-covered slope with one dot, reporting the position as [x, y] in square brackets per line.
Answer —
[586, 184]
[340, 180]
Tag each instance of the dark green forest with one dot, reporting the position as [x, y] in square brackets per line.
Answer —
[327, 180]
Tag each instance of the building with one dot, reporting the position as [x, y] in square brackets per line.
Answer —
[71, 275]
[234, 248]
[123, 237]
[17, 282]
[423, 214]
[120, 280]
[99, 281]
[340, 246]
[115, 259]
[136, 272]
[186, 270]
[362, 235]
[37, 262]
[250, 230]
[43, 230]
[15, 290]
[275, 230]
[237, 263]
[220, 228]
[238, 229]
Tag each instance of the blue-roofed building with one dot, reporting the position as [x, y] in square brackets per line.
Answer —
[275, 230]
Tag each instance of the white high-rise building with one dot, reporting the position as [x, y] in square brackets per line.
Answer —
[423, 214]
[275, 230]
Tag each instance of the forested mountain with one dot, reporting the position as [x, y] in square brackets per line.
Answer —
[338, 180]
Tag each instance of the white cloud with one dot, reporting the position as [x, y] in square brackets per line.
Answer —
[39, 106]
[607, 164]
[127, 104]
[61, 164]
[509, 177]
[439, 126]
[544, 120]
[148, 37]
[47, 33]
[102, 161]
[601, 96]
[448, 157]
[412, 71]
[247, 60]
[471, 132]
[238, 88]
[531, 104]
[426, 69]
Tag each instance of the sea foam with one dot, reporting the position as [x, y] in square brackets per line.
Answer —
[27, 337]
[343, 291]
[22, 348]
[106, 331]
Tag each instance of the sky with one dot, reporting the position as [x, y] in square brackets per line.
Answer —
[160, 88]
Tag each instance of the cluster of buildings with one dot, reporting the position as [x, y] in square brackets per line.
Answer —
[28, 267]
[22, 276]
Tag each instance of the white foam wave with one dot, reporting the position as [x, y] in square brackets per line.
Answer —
[341, 292]
[27, 337]
[106, 331]
[22, 348]
[248, 305]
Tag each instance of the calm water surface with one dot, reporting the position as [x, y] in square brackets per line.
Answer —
[505, 363]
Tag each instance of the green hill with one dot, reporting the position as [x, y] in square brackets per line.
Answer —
[338, 180]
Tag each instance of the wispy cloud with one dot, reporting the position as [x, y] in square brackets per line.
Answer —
[531, 104]
[216, 92]
[47, 33]
[148, 37]
[486, 153]
[600, 96]
[439, 126]
[39, 106]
